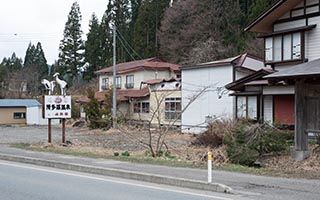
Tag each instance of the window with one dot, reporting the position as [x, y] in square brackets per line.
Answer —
[172, 108]
[129, 81]
[283, 47]
[118, 82]
[277, 49]
[141, 107]
[247, 107]
[19, 115]
[105, 84]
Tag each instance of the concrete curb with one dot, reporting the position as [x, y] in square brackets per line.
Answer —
[167, 180]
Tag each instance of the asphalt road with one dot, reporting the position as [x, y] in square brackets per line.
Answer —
[255, 187]
[27, 182]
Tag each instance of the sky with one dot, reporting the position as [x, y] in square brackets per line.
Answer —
[25, 21]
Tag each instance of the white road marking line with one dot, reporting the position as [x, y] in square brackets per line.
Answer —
[113, 181]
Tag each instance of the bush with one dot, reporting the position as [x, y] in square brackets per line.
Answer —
[242, 154]
[254, 140]
[216, 133]
[126, 154]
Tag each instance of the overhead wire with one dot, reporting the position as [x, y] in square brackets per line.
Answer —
[121, 37]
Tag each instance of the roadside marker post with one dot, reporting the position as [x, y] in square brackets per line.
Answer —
[209, 166]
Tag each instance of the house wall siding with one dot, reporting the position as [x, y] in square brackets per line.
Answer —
[289, 25]
[313, 40]
[157, 98]
[209, 104]
[32, 115]
[268, 108]
[6, 116]
[240, 75]
[139, 76]
[274, 90]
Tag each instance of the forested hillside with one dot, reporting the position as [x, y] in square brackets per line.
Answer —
[178, 31]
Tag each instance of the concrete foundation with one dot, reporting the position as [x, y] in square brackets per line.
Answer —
[300, 155]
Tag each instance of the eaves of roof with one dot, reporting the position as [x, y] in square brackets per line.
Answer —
[238, 84]
[303, 70]
[263, 23]
[19, 103]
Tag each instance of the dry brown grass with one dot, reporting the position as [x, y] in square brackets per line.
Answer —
[105, 143]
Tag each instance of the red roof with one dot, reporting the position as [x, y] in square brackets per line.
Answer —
[157, 81]
[122, 95]
[151, 64]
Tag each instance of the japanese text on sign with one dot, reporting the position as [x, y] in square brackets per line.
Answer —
[57, 106]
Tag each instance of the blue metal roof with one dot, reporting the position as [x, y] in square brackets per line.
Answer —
[19, 103]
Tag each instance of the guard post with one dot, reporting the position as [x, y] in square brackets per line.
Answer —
[209, 166]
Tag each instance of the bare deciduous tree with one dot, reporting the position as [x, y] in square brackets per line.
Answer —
[156, 129]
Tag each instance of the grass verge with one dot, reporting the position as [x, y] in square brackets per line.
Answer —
[142, 159]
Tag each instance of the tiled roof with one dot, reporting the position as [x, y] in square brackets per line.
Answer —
[122, 95]
[157, 81]
[19, 103]
[153, 64]
[311, 68]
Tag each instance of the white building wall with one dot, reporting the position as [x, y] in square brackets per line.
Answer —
[240, 75]
[209, 104]
[139, 76]
[268, 108]
[275, 90]
[313, 40]
[34, 117]
[289, 25]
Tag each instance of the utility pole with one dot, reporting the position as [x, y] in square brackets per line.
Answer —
[156, 34]
[114, 103]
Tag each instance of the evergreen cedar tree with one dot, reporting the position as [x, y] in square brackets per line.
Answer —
[183, 33]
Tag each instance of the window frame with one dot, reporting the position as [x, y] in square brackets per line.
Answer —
[172, 108]
[118, 82]
[246, 107]
[105, 84]
[141, 107]
[130, 81]
[19, 115]
[269, 47]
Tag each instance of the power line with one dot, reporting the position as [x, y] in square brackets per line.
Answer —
[126, 49]
[121, 37]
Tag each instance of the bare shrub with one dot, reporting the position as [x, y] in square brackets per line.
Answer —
[216, 133]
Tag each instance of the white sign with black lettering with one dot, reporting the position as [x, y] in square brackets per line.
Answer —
[57, 107]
